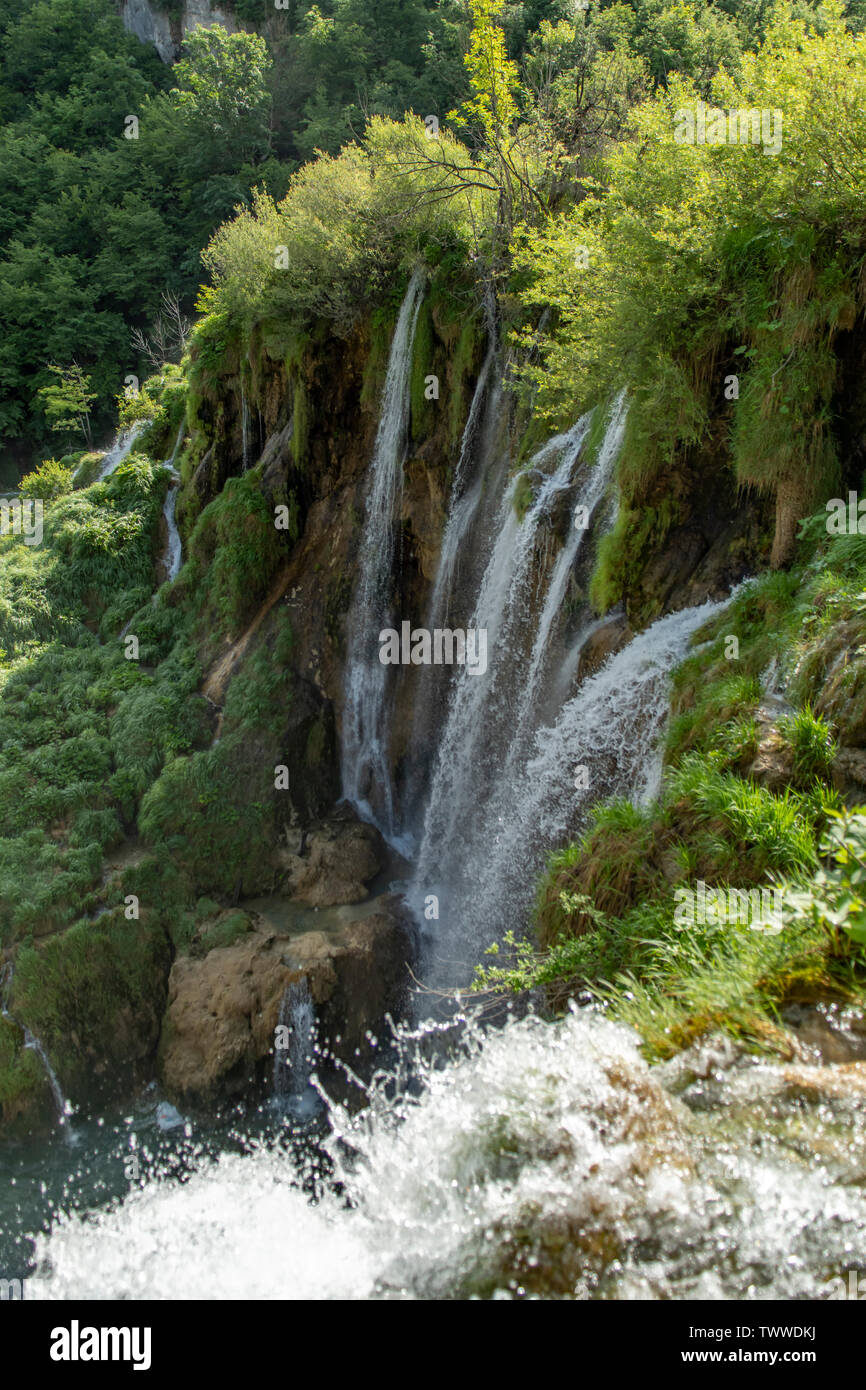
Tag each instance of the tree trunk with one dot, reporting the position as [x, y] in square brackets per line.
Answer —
[791, 507]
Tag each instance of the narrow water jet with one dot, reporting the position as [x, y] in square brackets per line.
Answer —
[366, 773]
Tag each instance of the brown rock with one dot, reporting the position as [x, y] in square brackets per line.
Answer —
[772, 766]
[338, 862]
[221, 1016]
[219, 1027]
[602, 643]
[849, 772]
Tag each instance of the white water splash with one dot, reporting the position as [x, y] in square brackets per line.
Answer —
[544, 1160]
[366, 776]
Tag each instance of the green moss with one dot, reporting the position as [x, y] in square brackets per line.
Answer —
[622, 554]
[23, 1088]
[95, 994]
[463, 365]
[381, 330]
[300, 424]
[225, 932]
[216, 813]
[234, 553]
[423, 411]
[522, 496]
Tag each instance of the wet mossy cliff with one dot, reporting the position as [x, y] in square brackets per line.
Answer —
[218, 862]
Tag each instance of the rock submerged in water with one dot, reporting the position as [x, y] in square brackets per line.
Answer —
[218, 1030]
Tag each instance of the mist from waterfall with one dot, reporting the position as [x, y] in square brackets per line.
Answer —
[366, 774]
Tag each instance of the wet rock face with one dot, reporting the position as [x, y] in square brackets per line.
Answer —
[607, 639]
[218, 1031]
[849, 773]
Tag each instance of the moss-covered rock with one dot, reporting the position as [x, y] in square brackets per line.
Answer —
[94, 995]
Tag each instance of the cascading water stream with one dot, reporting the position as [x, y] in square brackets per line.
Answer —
[120, 449]
[464, 502]
[61, 1104]
[174, 549]
[366, 776]
[592, 486]
[480, 726]
[293, 1063]
[611, 729]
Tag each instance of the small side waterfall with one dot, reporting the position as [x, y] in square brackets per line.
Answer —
[293, 1053]
[174, 550]
[61, 1104]
[120, 449]
[366, 777]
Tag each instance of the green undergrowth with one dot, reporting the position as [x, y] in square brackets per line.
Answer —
[214, 812]
[233, 554]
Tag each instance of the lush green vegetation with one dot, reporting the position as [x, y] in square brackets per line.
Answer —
[606, 913]
[301, 169]
[718, 280]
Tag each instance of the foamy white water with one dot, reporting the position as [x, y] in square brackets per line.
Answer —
[547, 1159]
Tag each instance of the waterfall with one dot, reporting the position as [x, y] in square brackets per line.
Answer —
[480, 720]
[481, 464]
[173, 550]
[611, 728]
[505, 788]
[120, 449]
[463, 504]
[592, 486]
[366, 774]
[293, 1063]
[61, 1104]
